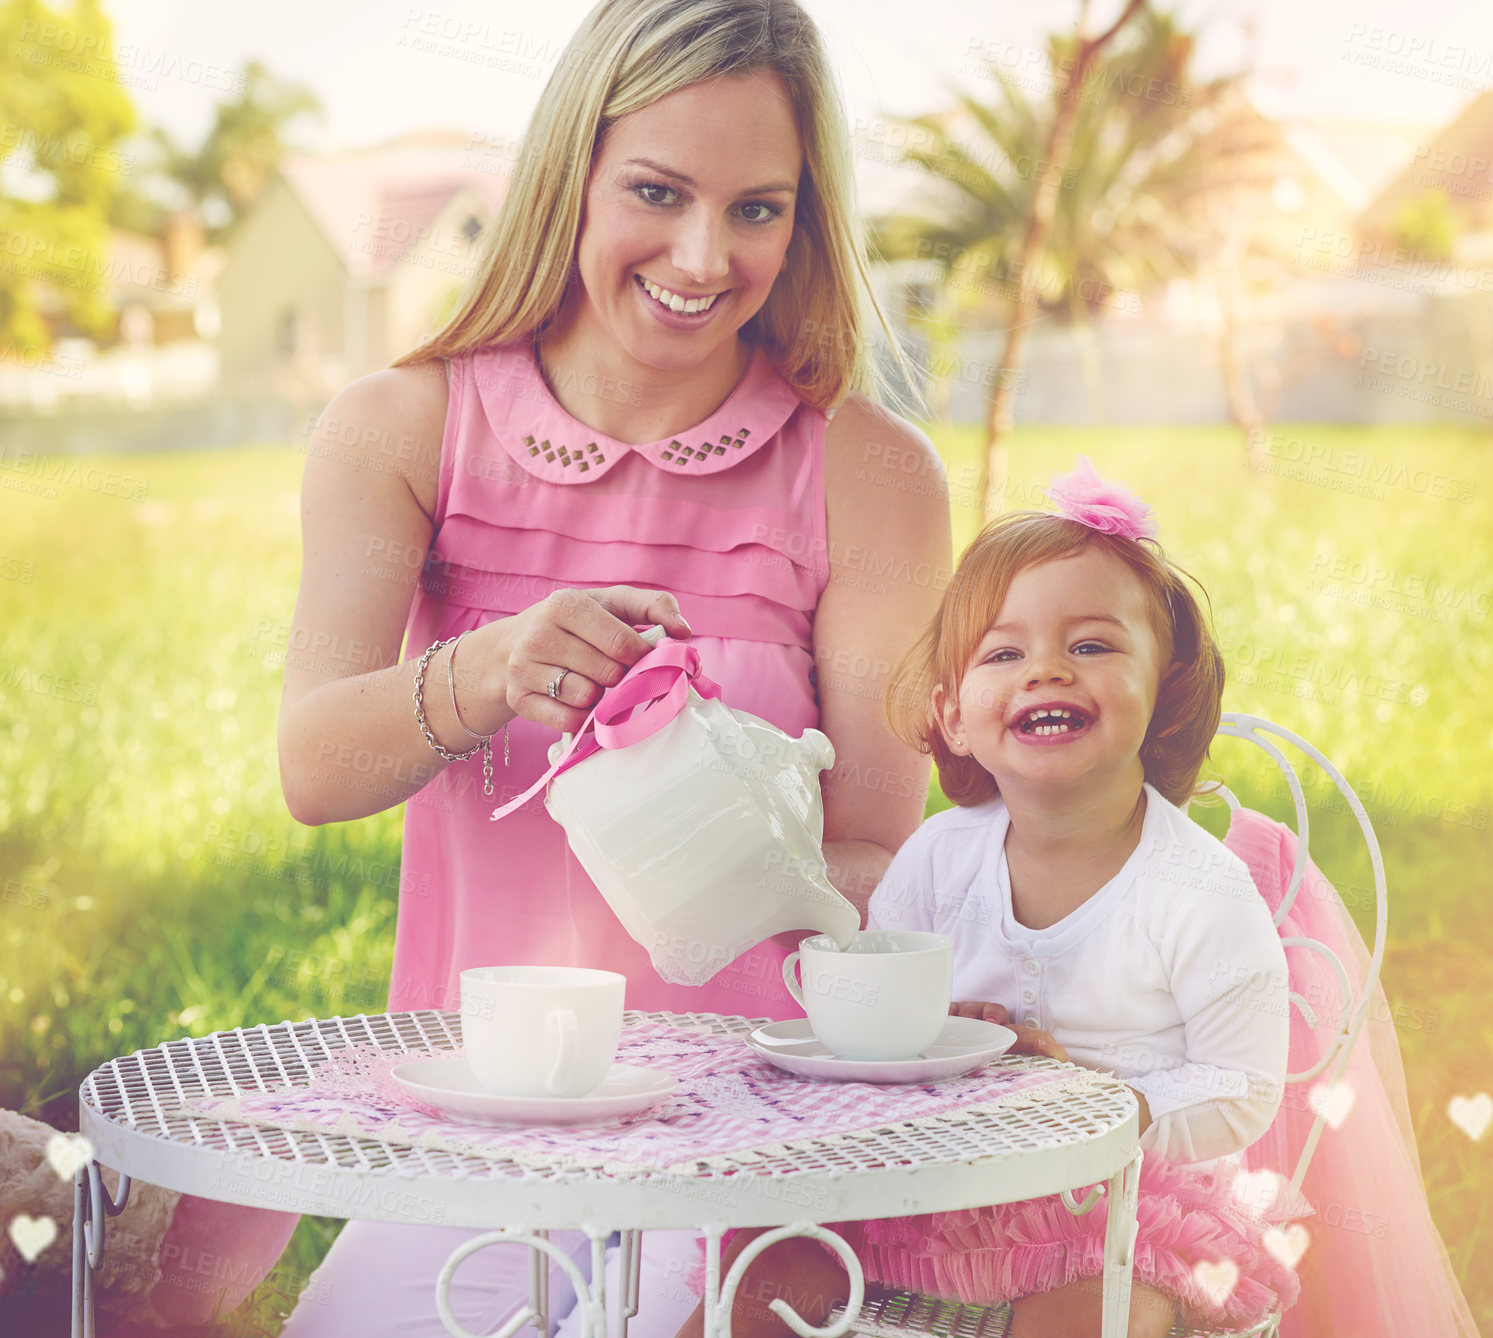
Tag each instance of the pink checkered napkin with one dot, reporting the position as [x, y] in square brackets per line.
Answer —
[730, 1106]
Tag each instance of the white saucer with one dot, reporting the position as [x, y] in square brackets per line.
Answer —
[964, 1044]
[451, 1087]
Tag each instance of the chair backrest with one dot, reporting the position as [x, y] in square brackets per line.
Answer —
[1264, 734]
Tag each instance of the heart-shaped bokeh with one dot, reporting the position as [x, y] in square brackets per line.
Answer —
[1217, 1278]
[1257, 1189]
[1471, 1114]
[1332, 1101]
[31, 1235]
[1288, 1244]
[67, 1152]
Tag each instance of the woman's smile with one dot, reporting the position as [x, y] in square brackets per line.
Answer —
[675, 311]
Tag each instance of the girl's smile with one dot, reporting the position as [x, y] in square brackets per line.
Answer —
[1048, 723]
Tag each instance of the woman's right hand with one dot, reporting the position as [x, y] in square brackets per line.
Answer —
[589, 633]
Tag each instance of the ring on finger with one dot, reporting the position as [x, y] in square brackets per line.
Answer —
[553, 686]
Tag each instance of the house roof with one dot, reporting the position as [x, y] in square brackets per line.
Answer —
[1318, 152]
[1457, 160]
[373, 204]
[1372, 152]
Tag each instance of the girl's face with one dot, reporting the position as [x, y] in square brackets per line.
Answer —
[689, 198]
[1061, 689]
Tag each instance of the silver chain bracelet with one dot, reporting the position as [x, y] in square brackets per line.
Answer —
[420, 706]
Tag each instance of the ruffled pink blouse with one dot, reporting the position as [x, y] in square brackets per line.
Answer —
[729, 517]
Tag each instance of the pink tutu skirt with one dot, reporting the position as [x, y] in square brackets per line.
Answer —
[1196, 1243]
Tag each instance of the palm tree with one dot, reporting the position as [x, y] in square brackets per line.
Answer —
[1058, 209]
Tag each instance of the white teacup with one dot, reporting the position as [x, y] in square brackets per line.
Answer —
[885, 997]
[541, 1030]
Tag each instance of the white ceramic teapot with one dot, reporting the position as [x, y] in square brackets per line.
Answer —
[704, 835]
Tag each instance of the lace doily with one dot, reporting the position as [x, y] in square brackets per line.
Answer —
[731, 1107]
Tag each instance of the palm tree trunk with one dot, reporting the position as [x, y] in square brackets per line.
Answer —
[1024, 306]
[1243, 407]
[1245, 410]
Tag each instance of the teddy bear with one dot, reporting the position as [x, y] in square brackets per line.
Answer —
[171, 1261]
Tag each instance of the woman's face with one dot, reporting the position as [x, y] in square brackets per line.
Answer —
[689, 198]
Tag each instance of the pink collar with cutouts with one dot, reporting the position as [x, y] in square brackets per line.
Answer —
[539, 435]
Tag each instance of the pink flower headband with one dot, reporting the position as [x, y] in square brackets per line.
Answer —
[1101, 503]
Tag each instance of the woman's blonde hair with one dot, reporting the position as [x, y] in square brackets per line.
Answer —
[1189, 699]
[626, 55]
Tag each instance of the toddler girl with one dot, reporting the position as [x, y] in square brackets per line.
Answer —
[1068, 689]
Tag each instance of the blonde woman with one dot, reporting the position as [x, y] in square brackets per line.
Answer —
[655, 404]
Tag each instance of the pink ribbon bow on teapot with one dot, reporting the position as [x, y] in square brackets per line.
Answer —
[653, 692]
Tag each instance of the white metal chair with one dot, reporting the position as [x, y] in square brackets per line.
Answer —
[900, 1314]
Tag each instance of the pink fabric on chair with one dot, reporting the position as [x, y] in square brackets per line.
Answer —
[1375, 1266]
[213, 1256]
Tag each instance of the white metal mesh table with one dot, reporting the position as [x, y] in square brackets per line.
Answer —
[137, 1112]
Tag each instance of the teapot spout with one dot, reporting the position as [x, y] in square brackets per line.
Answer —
[808, 903]
[840, 926]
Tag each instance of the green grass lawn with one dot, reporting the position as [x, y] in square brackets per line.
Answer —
[153, 884]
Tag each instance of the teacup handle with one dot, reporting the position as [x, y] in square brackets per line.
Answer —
[790, 979]
[561, 1020]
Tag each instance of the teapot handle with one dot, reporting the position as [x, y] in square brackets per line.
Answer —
[652, 636]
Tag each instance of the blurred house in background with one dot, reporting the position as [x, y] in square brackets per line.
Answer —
[346, 260]
[162, 347]
[342, 264]
[1443, 200]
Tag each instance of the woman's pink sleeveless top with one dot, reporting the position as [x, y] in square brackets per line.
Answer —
[729, 517]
